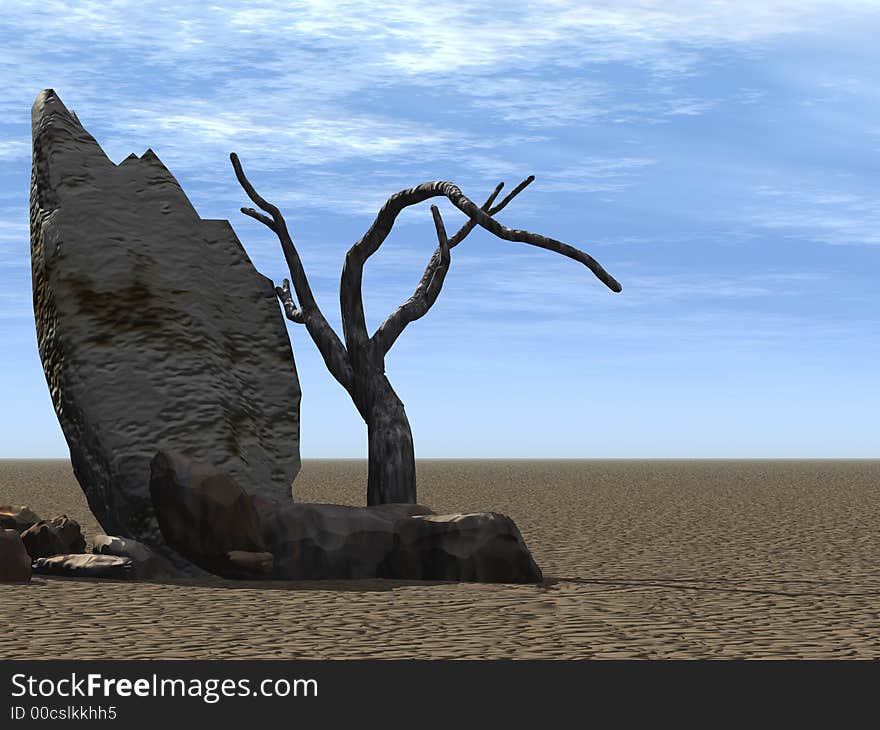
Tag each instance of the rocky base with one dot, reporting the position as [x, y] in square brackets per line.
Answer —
[212, 521]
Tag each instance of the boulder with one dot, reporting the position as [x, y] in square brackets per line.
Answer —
[204, 514]
[15, 563]
[154, 329]
[86, 566]
[17, 517]
[58, 536]
[322, 541]
[147, 564]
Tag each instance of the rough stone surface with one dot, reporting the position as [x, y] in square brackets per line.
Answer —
[15, 563]
[86, 566]
[17, 517]
[147, 564]
[315, 541]
[204, 514]
[486, 547]
[211, 520]
[57, 536]
[319, 541]
[154, 329]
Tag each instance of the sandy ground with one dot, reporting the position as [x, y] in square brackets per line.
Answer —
[688, 559]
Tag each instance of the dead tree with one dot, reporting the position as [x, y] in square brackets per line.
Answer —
[359, 364]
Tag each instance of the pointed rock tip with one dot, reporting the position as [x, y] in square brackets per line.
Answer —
[48, 102]
[151, 158]
[46, 94]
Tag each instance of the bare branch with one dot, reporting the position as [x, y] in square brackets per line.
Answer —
[487, 206]
[290, 309]
[249, 189]
[327, 341]
[469, 208]
[423, 297]
[512, 194]
[391, 328]
[264, 219]
[352, 301]
[441, 231]
[426, 292]
[378, 232]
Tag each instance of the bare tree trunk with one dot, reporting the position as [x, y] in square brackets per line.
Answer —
[391, 456]
[392, 463]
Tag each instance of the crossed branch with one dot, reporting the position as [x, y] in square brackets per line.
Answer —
[341, 360]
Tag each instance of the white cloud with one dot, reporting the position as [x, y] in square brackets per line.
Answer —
[301, 86]
[282, 48]
[824, 216]
[11, 149]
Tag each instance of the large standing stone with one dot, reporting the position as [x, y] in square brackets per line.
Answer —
[154, 328]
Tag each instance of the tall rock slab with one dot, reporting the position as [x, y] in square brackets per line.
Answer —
[154, 328]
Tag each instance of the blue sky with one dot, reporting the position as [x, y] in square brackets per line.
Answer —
[719, 159]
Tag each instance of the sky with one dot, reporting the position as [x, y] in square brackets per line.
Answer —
[720, 159]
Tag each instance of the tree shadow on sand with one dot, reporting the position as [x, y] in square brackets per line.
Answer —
[720, 585]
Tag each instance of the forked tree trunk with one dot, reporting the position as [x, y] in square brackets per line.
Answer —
[392, 463]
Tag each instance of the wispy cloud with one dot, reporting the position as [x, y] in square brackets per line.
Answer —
[824, 216]
[11, 149]
[258, 73]
[14, 243]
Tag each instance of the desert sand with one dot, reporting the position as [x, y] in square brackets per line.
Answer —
[642, 559]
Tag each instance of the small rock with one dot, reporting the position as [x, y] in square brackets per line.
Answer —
[58, 536]
[15, 563]
[250, 565]
[17, 517]
[148, 564]
[86, 566]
